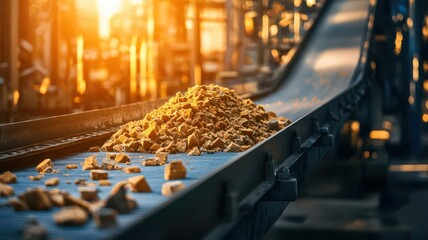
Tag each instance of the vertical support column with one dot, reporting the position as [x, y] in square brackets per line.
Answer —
[414, 64]
[54, 43]
[197, 59]
[229, 36]
[241, 29]
[13, 54]
[260, 12]
[151, 48]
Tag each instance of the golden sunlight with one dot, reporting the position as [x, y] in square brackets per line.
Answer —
[106, 9]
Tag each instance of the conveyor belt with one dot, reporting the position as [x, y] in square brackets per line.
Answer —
[327, 64]
[229, 195]
[12, 222]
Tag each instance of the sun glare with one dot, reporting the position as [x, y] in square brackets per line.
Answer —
[106, 9]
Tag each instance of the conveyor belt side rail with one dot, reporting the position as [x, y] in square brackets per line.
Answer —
[24, 143]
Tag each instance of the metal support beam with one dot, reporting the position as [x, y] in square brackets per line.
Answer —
[197, 58]
[414, 63]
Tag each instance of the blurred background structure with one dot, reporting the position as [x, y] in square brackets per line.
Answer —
[62, 56]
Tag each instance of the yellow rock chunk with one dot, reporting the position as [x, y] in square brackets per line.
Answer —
[139, 184]
[52, 182]
[45, 166]
[170, 188]
[90, 163]
[122, 158]
[98, 174]
[7, 177]
[175, 170]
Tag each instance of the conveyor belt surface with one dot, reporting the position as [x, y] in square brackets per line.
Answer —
[11, 222]
[326, 65]
[323, 70]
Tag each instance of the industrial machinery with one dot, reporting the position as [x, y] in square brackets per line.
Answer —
[327, 83]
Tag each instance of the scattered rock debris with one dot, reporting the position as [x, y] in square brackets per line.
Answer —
[90, 163]
[88, 193]
[36, 199]
[120, 201]
[131, 169]
[175, 170]
[104, 182]
[46, 166]
[71, 166]
[34, 230]
[105, 217]
[170, 188]
[122, 158]
[151, 162]
[7, 177]
[6, 190]
[94, 149]
[98, 174]
[71, 216]
[139, 184]
[52, 182]
[36, 177]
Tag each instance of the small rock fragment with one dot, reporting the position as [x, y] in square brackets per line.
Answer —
[57, 198]
[194, 152]
[71, 216]
[120, 201]
[71, 166]
[218, 143]
[94, 149]
[18, 205]
[139, 184]
[104, 182]
[150, 132]
[36, 177]
[90, 163]
[133, 169]
[105, 217]
[52, 182]
[89, 184]
[111, 156]
[175, 170]
[7, 177]
[88, 193]
[70, 200]
[170, 188]
[98, 174]
[151, 162]
[192, 141]
[108, 164]
[273, 125]
[233, 147]
[45, 166]
[6, 190]
[36, 199]
[117, 186]
[122, 158]
[33, 230]
[80, 181]
[163, 157]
